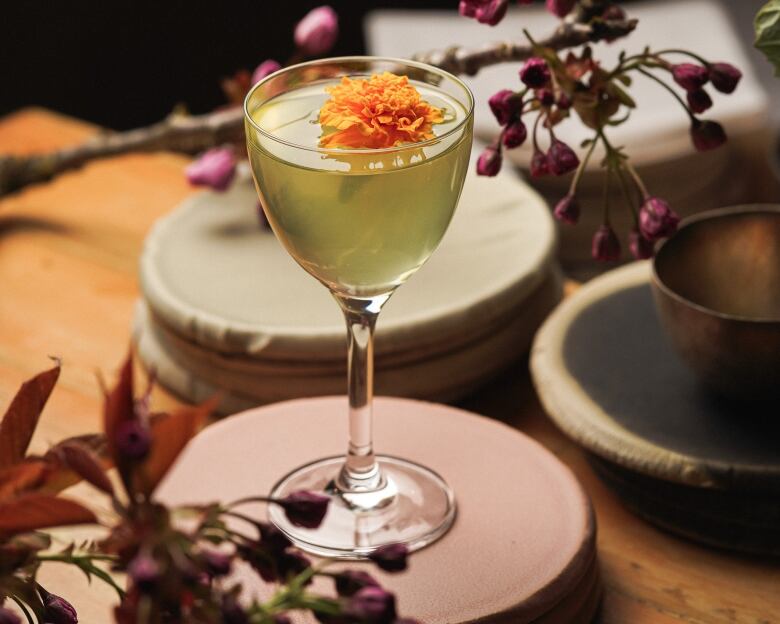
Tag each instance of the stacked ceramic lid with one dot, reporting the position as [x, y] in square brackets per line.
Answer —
[656, 136]
[226, 309]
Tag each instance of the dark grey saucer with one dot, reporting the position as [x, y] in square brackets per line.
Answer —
[677, 453]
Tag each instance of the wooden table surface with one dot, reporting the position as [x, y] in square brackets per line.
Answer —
[68, 281]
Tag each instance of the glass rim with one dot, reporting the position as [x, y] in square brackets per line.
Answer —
[383, 150]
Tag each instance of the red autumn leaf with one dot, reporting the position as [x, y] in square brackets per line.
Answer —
[22, 477]
[21, 418]
[119, 405]
[78, 458]
[170, 434]
[577, 67]
[51, 473]
[40, 511]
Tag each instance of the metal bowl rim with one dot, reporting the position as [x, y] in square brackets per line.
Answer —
[692, 220]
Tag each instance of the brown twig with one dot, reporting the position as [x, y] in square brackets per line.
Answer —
[570, 34]
[193, 134]
[177, 133]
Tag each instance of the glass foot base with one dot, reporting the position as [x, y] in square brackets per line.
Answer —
[415, 507]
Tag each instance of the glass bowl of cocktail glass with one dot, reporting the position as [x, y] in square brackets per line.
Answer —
[361, 221]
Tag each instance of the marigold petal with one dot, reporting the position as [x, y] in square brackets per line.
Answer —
[383, 110]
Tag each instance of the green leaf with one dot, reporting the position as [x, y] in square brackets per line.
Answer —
[624, 98]
[90, 569]
[767, 27]
[621, 120]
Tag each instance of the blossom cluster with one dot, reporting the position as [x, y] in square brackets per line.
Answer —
[551, 88]
[179, 561]
[314, 35]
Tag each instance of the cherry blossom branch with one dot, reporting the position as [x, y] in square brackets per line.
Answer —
[570, 34]
[177, 133]
[193, 134]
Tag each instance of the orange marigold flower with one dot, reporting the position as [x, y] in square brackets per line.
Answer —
[380, 111]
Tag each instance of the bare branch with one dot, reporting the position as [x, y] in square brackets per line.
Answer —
[569, 34]
[193, 134]
[178, 133]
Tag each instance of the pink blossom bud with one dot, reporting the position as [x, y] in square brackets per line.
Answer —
[144, 571]
[561, 158]
[563, 102]
[371, 604]
[567, 210]
[133, 440]
[640, 247]
[272, 538]
[707, 135]
[305, 509]
[535, 73]
[515, 134]
[489, 161]
[540, 165]
[613, 12]
[656, 219]
[724, 77]
[217, 563]
[214, 168]
[698, 100]
[545, 97]
[605, 246]
[316, 33]
[390, 557]
[8, 617]
[489, 12]
[292, 563]
[57, 610]
[232, 612]
[350, 582]
[505, 105]
[560, 8]
[266, 68]
[689, 76]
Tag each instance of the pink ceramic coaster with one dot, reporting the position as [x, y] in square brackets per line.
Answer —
[522, 548]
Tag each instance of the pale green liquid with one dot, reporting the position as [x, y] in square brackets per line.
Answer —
[361, 223]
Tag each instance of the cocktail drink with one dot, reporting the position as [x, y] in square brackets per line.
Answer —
[359, 164]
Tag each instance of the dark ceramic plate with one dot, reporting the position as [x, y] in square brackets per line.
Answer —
[676, 452]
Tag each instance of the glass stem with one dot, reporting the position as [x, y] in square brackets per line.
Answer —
[361, 471]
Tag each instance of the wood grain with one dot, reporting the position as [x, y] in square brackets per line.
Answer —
[68, 254]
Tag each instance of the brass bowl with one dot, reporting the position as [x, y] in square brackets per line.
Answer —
[716, 284]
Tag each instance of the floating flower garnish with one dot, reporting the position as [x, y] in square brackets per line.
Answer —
[381, 111]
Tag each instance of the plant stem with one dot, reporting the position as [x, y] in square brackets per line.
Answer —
[240, 516]
[637, 180]
[686, 53]
[606, 194]
[669, 89]
[627, 195]
[644, 61]
[533, 134]
[249, 499]
[578, 174]
[23, 608]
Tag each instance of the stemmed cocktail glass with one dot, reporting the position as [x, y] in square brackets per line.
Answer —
[362, 221]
